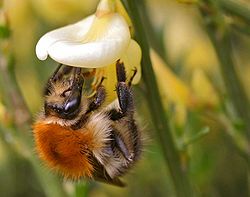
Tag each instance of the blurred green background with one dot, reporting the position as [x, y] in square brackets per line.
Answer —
[213, 143]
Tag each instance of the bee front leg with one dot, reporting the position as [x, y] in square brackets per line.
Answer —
[124, 94]
[98, 98]
[57, 75]
[123, 91]
[50, 81]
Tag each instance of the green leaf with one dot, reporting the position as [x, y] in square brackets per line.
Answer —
[4, 32]
[204, 131]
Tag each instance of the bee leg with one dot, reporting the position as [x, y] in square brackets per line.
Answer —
[57, 75]
[51, 79]
[123, 91]
[126, 104]
[131, 79]
[124, 94]
[98, 98]
[60, 71]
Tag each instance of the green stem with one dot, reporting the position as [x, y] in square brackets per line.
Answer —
[20, 144]
[219, 34]
[238, 142]
[241, 28]
[81, 189]
[51, 184]
[237, 8]
[248, 178]
[179, 176]
[155, 38]
[21, 127]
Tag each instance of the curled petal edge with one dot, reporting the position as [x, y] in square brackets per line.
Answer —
[105, 40]
[88, 55]
[132, 60]
[73, 32]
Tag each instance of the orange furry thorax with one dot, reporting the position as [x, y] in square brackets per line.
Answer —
[64, 149]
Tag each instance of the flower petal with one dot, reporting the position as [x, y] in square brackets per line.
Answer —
[74, 32]
[202, 87]
[105, 42]
[132, 60]
[88, 55]
[171, 87]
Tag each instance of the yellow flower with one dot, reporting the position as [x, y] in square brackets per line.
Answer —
[97, 41]
[58, 12]
[172, 89]
[203, 89]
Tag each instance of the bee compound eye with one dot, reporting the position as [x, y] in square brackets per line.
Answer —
[71, 106]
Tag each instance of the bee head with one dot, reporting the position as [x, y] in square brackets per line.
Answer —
[63, 93]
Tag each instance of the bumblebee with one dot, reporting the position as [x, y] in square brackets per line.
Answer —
[78, 137]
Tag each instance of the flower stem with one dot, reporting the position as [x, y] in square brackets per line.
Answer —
[81, 189]
[237, 8]
[155, 38]
[171, 154]
[219, 34]
[21, 126]
[51, 185]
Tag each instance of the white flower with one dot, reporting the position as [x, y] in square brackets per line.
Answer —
[97, 41]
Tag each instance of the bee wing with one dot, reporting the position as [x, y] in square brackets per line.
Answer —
[100, 174]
